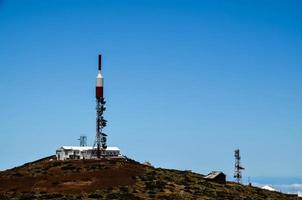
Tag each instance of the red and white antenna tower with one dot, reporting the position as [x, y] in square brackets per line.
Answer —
[100, 108]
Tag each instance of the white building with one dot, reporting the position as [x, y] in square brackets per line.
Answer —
[79, 152]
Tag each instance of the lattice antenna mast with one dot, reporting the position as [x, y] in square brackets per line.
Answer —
[238, 167]
[101, 123]
[83, 141]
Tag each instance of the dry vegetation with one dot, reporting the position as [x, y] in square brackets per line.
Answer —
[117, 179]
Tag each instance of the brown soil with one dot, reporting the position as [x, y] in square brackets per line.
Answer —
[70, 176]
[117, 179]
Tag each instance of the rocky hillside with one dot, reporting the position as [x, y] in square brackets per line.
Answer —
[117, 179]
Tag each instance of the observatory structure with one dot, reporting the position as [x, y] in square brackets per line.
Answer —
[99, 148]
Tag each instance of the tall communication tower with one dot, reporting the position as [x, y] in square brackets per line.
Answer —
[100, 108]
[238, 167]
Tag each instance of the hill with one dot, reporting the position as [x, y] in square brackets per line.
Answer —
[117, 179]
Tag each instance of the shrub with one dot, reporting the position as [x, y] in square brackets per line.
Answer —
[52, 196]
[17, 174]
[95, 195]
[27, 196]
[68, 167]
[3, 197]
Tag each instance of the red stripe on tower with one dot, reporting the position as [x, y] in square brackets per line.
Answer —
[99, 92]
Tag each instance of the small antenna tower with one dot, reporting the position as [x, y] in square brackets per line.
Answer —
[238, 167]
[83, 141]
[249, 180]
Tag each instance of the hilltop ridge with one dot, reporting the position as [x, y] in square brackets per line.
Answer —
[117, 179]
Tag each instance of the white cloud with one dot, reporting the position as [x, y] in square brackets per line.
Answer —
[270, 188]
[295, 188]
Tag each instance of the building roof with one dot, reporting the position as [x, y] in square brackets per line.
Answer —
[213, 175]
[79, 148]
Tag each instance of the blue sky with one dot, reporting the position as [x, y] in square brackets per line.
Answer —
[186, 82]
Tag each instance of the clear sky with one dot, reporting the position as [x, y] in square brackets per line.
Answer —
[186, 82]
